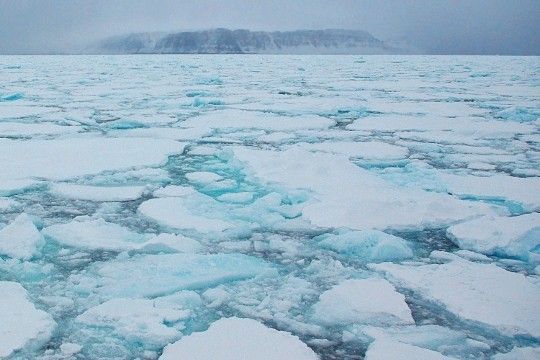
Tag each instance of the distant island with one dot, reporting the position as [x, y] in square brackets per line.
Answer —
[225, 41]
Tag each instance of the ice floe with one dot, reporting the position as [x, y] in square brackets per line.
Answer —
[20, 239]
[97, 193]
[235, 338]
[498, 235]
[24, 328]
[366, 301]
[488, 294]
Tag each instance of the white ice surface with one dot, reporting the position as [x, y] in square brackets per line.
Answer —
[154, 275]
[385, 349]
[240, 119]
[67, 158]
[235, 338]
[20, 239]
[368, 150]
[346, 196]
[94, 235]
[173, 213]
[137, 320]
[365, 301]
[97, 193]
[523, 190]
[22, 325]
[482, 293]
[29, 129]
[511, 236]
[520, 353]
[367, 245]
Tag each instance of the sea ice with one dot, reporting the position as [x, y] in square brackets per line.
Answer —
[157, 275]
[235, 338]
[67, 158]
[520, 353]
[347, 196]
[137, 320]
[512, 236]
[367, 245]
[173, 213]
[23, 327]
[385, 349]
[367, 150]
[482, 293]
[97, 193]
[93, 235]
[365, 301]
[20, 239]
[232, 119]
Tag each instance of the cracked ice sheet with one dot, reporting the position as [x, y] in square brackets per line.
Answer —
[346, 196]
[481, 293]
[512, 236]
[158, 275]
[68, 158]
[240, 119]
[497, 186]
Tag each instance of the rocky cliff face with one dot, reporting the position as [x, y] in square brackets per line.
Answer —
[224, 41]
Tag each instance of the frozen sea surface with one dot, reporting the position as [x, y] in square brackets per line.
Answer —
[230, 207]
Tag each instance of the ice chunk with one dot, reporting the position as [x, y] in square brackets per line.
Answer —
[154, 275]
[518, 113]
[235, 338]
[482, 293]
[8, 111]
[348, 196]
[23, 327]
[203, 177]
[139, 320]
[70, 349]
[368, 150]
[240, 119]
[366, 301]
[98, 193]
[236, 198]
[517, 353]
[368, 245]
[20, 239]
[384, 349]
[432, 337]
[174, 190]
[511, 236]
[94, 234]
[8, 204]
[67, 158]
[171, 242]
[25, 129]
[523, 190]
[173, 213]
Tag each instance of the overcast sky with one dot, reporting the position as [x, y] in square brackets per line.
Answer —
[437, 26]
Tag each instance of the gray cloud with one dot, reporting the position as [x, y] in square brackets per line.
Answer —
[453, 26]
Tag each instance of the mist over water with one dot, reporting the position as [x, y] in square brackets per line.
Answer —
[436, 27]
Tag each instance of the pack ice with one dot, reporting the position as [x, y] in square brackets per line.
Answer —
[269, 207]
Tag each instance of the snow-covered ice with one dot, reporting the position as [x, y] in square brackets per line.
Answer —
[258, 206]
[235, 338]
[365, 301]
[395, 350]
[511, 236]
[483, 293]
[20, 239]
[24, 328]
